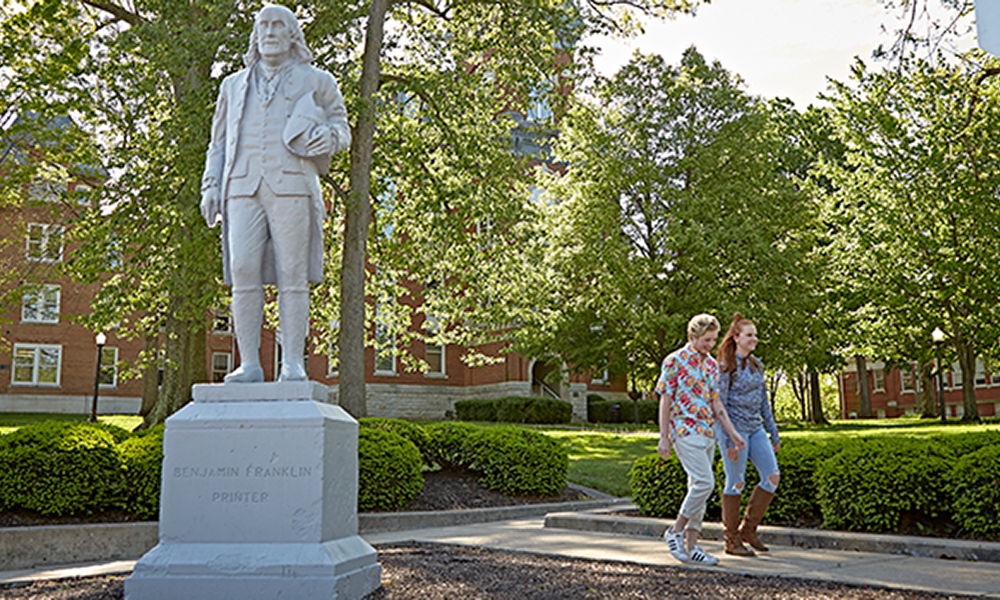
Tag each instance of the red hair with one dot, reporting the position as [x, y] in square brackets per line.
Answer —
[727, 349]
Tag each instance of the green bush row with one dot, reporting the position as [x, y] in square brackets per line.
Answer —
[59, 468]
[604, 411]
[861, 484]
[515, 409]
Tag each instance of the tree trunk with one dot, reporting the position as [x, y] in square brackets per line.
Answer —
[178, 370]
[816, 400]
[150, 374]
[799, 390]
[967, 359]
[864, 390]
[357, 218]
[927, 399]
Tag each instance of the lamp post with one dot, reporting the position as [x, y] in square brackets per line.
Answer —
[100, 338]
[938, 336]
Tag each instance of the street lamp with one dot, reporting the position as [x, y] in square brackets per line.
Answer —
[100, 338]
[938, 336]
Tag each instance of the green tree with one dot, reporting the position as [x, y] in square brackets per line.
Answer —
[915, 206]
[677, 199]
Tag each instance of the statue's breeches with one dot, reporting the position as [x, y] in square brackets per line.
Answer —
[268, 227]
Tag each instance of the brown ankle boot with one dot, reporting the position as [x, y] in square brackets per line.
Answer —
[759, 501]
[730, 521]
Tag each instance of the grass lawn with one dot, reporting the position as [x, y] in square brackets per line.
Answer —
[601, 455]
[11, 421]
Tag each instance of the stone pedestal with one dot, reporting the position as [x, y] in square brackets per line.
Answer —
[259, 500]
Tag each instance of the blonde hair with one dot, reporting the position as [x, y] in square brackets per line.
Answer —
[701, 324]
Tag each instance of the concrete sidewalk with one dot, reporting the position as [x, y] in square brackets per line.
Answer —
[530, 535]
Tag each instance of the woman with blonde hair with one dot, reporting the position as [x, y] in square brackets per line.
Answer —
[744, 394]
[689, 408]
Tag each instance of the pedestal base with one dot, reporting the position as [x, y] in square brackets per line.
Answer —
[259, 500]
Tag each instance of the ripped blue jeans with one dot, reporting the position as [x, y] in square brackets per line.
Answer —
[760, 451]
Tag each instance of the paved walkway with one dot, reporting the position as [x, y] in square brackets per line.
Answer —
[949, 576]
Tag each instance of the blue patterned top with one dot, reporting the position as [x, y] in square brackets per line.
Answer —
[745, 399]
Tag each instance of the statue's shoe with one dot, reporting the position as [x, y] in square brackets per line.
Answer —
[245, 374]
[294, 372]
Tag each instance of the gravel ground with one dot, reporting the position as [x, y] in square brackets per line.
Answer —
[438, 572]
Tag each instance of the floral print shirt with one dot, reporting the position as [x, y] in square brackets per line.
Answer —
[690, 382]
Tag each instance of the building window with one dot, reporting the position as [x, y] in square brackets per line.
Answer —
[108, 376]
[41, 304]
[433, 353]
[44, 243]
[222, 364]
[878, 380]
[956, 377]
[221, 322]
[36, 364]
[46, 190]
[385, 356]
[980, 374]
[909, 379]
[600, 378]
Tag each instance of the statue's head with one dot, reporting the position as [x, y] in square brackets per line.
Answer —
[276, 32]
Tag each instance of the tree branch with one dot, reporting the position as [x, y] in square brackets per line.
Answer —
[116, 11]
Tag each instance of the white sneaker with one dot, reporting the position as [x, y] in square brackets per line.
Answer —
[697, 556]
[675, 543]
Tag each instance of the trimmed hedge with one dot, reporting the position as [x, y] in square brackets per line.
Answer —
[515, 409]
[389, 475]
[976, 489]
[602, 411]
[59, 468]
[449, 442]
[862, 484]
[143, 458]
[517, 461]
[411, 431]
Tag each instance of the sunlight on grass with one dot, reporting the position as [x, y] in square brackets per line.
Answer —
[12, 421]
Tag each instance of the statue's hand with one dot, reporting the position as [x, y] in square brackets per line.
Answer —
[321, 141]
[211, 206]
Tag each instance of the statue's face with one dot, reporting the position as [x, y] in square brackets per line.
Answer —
[274, 32]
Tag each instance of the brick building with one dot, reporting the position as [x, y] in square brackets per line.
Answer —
[896, 392]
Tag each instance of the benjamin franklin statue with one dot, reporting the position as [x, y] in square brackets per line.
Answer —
[277, 123]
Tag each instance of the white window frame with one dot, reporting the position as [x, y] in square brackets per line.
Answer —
[431, 327]
[909, 374]
[35, 301]
[43, 250]
[113, 367]
[878, 374]
[229, 365]
[601, 378]
[387, 344]
[46, 190]
[980, 379]
[956, 376]
[36, 349]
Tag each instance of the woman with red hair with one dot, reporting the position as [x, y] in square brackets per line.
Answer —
[744, 394]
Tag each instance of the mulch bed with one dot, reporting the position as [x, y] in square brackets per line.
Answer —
[436, 572]
[443, 490]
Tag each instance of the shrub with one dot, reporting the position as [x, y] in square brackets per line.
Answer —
[119, 434]
[604, 411]
[449, 444]
[975, 481]
[476, 409]
[516, 461]
[658, 485]
[411, 431]
[143, 459]
[870, 484]
[389, 475]
[59, 468]
[515, 409]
